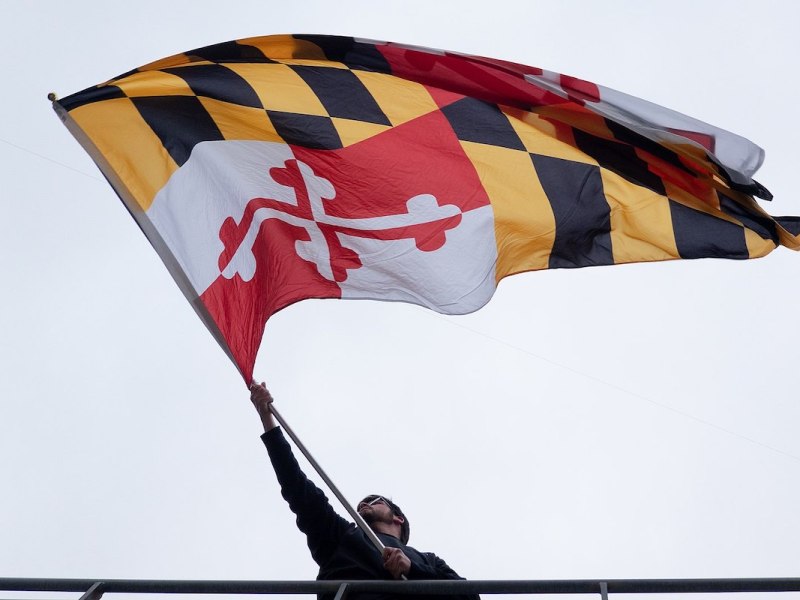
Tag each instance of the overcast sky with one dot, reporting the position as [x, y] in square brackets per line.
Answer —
[618, 422]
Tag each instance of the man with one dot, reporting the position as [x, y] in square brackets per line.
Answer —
[342, 550]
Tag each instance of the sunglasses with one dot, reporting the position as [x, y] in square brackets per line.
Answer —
[372, 500]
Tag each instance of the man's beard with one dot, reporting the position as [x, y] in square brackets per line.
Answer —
[373, 516]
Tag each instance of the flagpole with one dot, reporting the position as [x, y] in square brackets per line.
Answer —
[353, 513]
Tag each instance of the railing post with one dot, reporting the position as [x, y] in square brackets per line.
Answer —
[93, 593]
[603, 590]
[341, 592]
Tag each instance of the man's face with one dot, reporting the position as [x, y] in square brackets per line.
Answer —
[375, 509]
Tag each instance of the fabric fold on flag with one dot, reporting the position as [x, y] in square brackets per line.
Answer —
[270, 170]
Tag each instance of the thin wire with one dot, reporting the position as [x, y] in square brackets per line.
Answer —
[615, 386]
[47, 158]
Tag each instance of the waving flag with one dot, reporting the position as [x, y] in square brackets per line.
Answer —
[270, 170]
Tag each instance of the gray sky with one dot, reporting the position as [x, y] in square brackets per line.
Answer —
[619, 422]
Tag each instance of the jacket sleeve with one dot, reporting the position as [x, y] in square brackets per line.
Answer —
[315, 516]
[435, 568]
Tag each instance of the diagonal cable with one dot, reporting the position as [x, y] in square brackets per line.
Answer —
[47, 158]
[618, 388]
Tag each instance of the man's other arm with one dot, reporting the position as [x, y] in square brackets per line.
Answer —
[435, 568]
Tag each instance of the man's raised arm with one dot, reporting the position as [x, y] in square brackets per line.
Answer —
[315, 516]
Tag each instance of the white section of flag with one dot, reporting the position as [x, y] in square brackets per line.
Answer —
[219, 180]
[457, 278]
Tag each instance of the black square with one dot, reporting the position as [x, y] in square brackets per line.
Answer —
[763, 225]
[180, 122]
[92, 94]
[581, 212]
[356, 55]
[342, 94]
[309, 131]
[478, 121]
[701, 235]
[229, 52]
[619, 158]
[218, 82]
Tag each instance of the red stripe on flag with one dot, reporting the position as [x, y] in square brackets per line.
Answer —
[491, 81]
[706, 140]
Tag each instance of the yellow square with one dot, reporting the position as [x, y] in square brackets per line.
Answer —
[573, 115]
[311, 62]
[351, 132]
[525, 227]
[641, 221]
[539, 136]
[154, 83]
[279, 88]
[237, 122]
[756, 245]
[399, 99]
[282, 47]
[128, 145]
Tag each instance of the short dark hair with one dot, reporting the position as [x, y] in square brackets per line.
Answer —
[405, 526]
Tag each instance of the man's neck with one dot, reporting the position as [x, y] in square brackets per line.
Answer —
[391, 529]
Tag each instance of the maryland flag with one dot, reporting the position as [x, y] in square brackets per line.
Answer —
[269, 170]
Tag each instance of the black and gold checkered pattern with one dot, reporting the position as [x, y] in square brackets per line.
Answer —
[569, 187]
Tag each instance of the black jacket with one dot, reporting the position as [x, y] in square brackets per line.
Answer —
[342, 550]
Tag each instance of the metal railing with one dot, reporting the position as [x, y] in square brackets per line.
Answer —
[93, 589]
